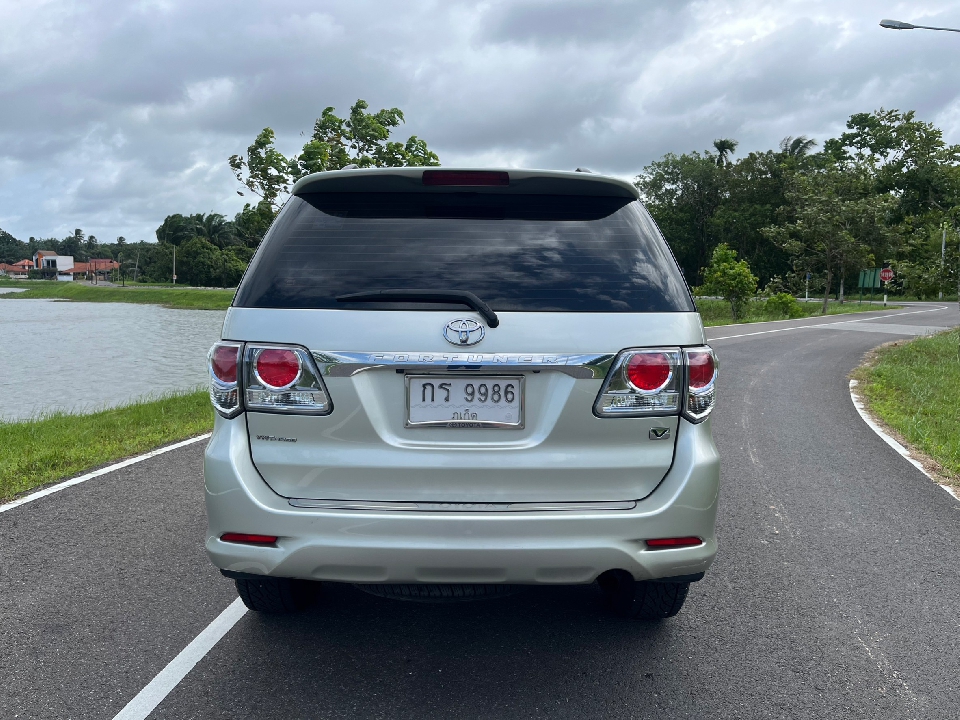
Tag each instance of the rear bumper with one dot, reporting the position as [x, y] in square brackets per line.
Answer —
[561, 547]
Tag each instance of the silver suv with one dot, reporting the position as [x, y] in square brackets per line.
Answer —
[448, 383]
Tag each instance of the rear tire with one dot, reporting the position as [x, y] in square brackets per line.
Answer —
[276, 595]
[645, 600]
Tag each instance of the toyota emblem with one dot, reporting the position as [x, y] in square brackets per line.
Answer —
[463, 331]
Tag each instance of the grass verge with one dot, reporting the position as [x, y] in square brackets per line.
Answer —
[56, 446]
[717, 312]
[180, 298]
[912, 387]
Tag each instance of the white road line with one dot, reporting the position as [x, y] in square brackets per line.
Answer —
[858, 404]
[176, 670]
[97, 473]
[838, 322]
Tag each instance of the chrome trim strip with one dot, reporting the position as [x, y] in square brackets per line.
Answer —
[346, 364]
[458, 507]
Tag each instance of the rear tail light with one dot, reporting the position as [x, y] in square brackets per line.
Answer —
[652, 382]
[677, 542]
[701, 395]
[642, 382]
[249, 539]
[223, 361]
[283, 378]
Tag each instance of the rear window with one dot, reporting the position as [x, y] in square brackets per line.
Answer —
[543, 253]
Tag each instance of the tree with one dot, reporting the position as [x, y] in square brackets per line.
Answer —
[11, 249]
[215, 228]
[725, 148]
[908, 157]
[683, 192]
[362, 139]
[835, 218]
[176, 229]
[729, 278]
[252, 223]
[797, 147]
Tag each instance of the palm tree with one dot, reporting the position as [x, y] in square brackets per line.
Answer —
[797, 147]
[215, 228]
[725, 147]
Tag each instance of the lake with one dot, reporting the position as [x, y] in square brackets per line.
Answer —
[79, 357]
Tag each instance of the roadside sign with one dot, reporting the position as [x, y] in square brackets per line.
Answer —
[886, 274]
[869, 278]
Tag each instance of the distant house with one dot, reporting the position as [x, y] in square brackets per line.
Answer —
[17, 271]
[53, 265]
[99, 266]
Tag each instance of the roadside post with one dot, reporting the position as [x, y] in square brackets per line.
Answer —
[807, 296]
[886, 275]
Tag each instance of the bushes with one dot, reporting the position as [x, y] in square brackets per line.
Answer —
[784, 304]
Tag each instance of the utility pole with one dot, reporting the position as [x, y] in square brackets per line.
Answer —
[174, 264]
[943, 257]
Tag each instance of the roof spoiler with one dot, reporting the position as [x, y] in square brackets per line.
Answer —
[509, 181]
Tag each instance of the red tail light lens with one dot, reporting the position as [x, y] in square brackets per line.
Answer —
[702, 368]
[662, 543]
[466, 178]
[223, 362]
[701, 392]
[248, 539]
[649, 372]
[278, 368]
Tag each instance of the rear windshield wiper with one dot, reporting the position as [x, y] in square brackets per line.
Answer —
[457, 297]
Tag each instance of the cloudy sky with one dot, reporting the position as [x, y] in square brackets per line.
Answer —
[115, 114]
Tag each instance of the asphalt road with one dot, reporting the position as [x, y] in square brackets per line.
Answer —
[836, 593]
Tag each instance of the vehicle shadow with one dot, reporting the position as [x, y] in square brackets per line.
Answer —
[546, 651]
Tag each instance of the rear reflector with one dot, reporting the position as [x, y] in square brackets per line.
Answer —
[466, 178]
[249, 539]
[661, 543]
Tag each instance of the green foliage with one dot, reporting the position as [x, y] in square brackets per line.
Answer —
[52, 447]
[785, 305]
[362, 139]
[913, 386]
[729, 278]
[717, 312]
[878, 193]
[184, 298]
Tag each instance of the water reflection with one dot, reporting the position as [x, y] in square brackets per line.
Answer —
[80, 356]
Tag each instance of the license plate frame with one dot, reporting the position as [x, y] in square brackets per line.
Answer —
[466, 424]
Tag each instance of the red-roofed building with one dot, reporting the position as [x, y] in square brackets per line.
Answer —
[17, 270]
[100, 266]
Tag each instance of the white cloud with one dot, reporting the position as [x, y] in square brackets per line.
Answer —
[116, 115]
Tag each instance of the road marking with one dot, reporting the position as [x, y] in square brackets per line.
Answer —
[97, 473]
[805, 327]
[868, 419]
[176, 670]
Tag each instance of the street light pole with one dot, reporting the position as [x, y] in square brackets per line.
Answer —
[899, 25]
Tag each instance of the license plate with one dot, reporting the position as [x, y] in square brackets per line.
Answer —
[458, 401]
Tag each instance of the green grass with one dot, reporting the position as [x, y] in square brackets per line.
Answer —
[717, 312]
[56, 446]
[184, 298]
[913, 386]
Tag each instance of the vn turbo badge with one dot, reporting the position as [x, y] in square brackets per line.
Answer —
[659, 433]
[463, 331]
